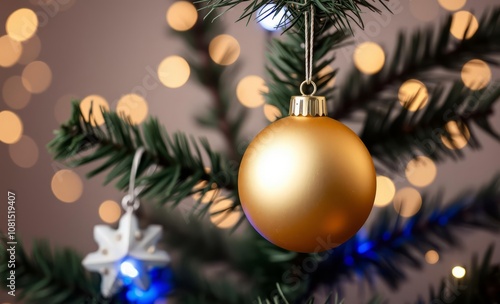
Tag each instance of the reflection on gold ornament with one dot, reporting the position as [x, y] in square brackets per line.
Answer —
[24, 153]
[224, 49]
[369, 58]
[67, 186]
[109, 211]
[98, 105]
[31, 50]
[413, 95]
[10, 51]
[249, 91]
[134, 107]
[432, 257]
[421, 171]
[182, 16]
[407, 202]
[14, 94]
[459, 135]
[22, 24]
[37, 77]
[271, 112]
[452, 5]
[385, 191]
[173, 71]
[294, 193]
[11, 127]
[476, 74]
[463, 21]
[222, 216]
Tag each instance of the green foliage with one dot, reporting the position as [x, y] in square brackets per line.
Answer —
[339, 13]
[47, 276]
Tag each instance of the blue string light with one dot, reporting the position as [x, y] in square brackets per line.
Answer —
[161, 286]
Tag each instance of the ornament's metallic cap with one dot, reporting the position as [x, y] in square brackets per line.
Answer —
[308, 105]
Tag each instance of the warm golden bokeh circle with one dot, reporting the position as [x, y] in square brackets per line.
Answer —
[67, 186]
[385, 191]
[24, 153]
[98, 104]
[31, 50]
[22, 24]
[14, 93]
[224, 49]
[476, 74]
[452, 5]
[458, 272]
[182, 16]
[224, 219]
[110, 211]
[369, 58]
[11, 127]
[407, 202]
[133, 107]
[37, 77]
[460, 135]
[325, 71]
[413, 95]
[271, 112]
[10, 51]
[432, 257]
[174, 71]
[421, 171]
[249, 91]
[463, 21]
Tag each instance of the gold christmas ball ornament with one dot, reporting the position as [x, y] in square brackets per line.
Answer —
[307, 182]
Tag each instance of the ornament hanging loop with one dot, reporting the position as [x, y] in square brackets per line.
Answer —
[130, 202]
[309, 43]
[308, 83]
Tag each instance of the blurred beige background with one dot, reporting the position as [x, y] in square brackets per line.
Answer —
[108, 48]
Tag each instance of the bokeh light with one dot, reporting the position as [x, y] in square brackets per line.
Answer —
[421, 171]
[249, 91]
[385, 191]
[67, 186]
[22, 24]
[224, 219]
[270, 21]
[182, 15]
[134, 107]
[407, 202]
[413, 95]
[476, 74]
[324, 71]
[11, 127]
[173, 71]
[452, 5]
[31, 50]
[10, 51]
[109, 211]
[14, 93]
[369, 58]
[432, 257]
[37, 77]
[463, 21]
[209, 196]
[271, 112]
[62, 109]
[97, 102]
[424, 10]
[459, 135]
[458, 272]
[224, 49]
[24, 153]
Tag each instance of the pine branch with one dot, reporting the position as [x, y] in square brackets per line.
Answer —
[481, 284]
[393, 135]
[339, 13]
[179, 169]
[218, 82]
[418, 57]
[46, 276]
[393, 243]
